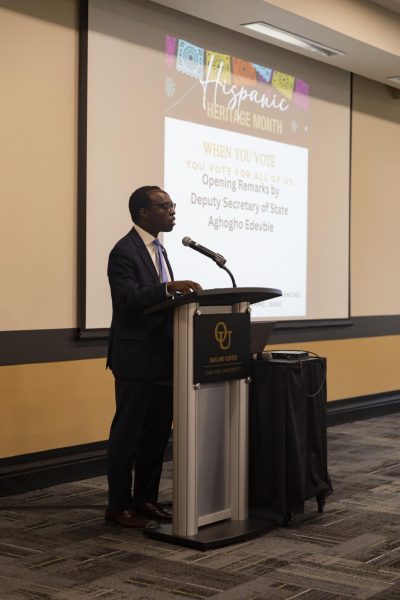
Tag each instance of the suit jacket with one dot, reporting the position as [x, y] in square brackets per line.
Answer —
[139, 346]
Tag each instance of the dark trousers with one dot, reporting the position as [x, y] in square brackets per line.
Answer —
[138, 437]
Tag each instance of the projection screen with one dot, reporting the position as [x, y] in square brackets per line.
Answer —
[251, 142]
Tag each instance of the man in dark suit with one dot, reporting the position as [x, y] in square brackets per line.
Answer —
[140, 356]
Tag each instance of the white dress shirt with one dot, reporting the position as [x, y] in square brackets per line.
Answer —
[148, 240]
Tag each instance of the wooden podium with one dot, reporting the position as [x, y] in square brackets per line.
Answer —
[210, 436]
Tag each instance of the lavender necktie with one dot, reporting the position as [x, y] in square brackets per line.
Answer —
[162, 270]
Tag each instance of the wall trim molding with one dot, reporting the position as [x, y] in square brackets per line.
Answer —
[47, 345]
[39, 470]
[29, 472]
[54, 345]
[363, 407]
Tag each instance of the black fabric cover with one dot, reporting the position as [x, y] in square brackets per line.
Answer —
[287, 435]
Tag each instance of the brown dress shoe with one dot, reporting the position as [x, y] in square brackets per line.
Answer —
[153, 510]
[126, 518]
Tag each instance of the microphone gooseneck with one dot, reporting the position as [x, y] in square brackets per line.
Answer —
[218, 258]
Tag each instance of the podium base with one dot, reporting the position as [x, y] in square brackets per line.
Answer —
[216, 535]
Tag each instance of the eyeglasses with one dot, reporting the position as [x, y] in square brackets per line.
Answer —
[167, 206]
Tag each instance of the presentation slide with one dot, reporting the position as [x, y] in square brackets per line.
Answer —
[238, 192]
[252, 143]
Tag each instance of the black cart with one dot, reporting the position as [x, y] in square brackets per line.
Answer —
[287, 436]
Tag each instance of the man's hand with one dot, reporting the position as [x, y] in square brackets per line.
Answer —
[183, 287]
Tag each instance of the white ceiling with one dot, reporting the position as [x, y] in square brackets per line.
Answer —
[372, 47]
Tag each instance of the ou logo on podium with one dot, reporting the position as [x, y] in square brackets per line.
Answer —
[221, 347]
[223, 335]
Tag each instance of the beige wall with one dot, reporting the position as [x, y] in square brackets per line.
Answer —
[357, 367]
[375, 206]
[54, 405]
[38, 124]
[63, 404]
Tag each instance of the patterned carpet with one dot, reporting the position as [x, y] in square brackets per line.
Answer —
[55, 545]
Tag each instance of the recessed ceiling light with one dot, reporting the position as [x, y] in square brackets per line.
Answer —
[291, 38]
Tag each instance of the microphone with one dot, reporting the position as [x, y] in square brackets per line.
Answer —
[220, 260]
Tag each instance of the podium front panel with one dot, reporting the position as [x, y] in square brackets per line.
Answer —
[213, 451]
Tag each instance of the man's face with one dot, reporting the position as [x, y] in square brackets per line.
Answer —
[159, 215]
